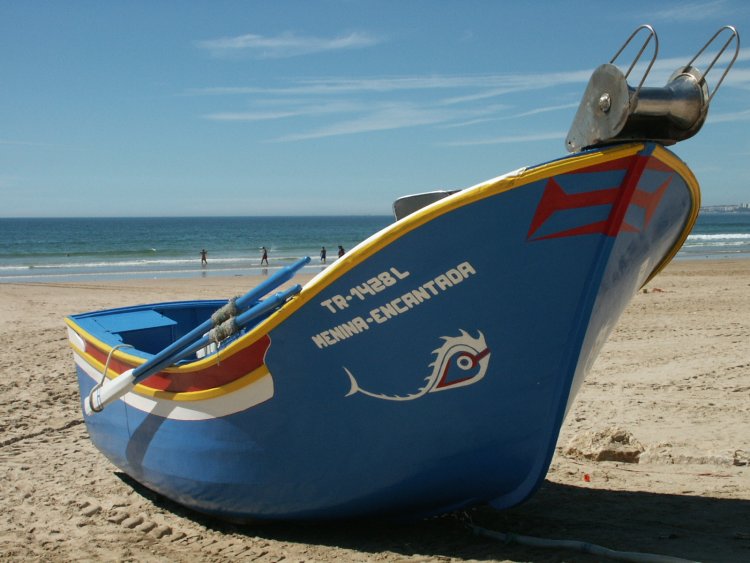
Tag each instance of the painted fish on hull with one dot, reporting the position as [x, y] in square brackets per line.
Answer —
[460, 361]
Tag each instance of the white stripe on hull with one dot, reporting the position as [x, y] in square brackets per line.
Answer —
[215, 407]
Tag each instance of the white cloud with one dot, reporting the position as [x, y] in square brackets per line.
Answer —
[449, 101]
[311, 98]
[497, 84]
[498, 107]
[738, 77]
[729, 117]
[692, 11]
[544, 110]
[512, 83]
[387, 116]
[267, 110]
[252, 115]
[509, 139]
[284, 45]
[334, 86]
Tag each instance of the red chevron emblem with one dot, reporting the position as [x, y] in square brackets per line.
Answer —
[555, 199]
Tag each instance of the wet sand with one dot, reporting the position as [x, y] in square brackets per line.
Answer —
[653, 456]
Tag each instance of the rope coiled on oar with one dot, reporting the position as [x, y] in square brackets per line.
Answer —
[223, 331]
[226, 312]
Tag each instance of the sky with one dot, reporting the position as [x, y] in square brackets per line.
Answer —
[336, 107]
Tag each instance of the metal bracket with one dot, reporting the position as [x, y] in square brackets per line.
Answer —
[651, 34]
[612, 111]
[733, 35]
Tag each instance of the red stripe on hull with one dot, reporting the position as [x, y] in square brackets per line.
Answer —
[222, 372]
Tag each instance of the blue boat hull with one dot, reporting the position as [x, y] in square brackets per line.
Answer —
[428, 370]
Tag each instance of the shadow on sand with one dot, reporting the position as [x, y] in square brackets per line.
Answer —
[690, 527]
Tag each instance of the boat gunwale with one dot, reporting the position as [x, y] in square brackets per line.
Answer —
[383, 238]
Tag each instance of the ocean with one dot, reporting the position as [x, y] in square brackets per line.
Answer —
[124, 248]
[89, 249]
[718, 235]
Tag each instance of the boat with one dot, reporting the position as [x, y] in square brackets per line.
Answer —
[430, 368]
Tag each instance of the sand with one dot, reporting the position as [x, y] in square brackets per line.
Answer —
[653, 456]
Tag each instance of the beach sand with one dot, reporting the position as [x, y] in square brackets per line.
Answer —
[653, 456]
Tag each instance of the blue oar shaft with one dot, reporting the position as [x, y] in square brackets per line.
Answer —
[241, 303]
[283, 275]
[268, 304]
[113, 389]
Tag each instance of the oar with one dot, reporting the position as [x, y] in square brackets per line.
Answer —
[113, 389]
[234, 324]
[232, 308]
[165, 357]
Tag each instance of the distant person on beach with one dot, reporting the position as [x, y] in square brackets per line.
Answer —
[341, 251]
[323, 255]
[264, 258]
[204, 262]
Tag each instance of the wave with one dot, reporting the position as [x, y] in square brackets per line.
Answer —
[42, 254]
[146, 265]
[717, 245]
[719, 236]
[99, 275]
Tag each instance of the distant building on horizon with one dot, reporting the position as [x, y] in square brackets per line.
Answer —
[735, 208]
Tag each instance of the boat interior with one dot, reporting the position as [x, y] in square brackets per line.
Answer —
[147, 328]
